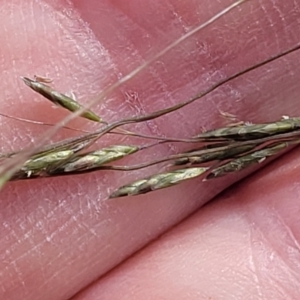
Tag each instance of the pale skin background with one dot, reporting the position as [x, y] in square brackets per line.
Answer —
[60, 239]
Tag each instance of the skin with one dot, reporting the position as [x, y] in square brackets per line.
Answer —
[61, 239]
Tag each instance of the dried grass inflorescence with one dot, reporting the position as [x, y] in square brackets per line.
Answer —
[217, 153]
[220, 152]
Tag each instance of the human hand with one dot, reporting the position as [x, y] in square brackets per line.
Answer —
[58, 236]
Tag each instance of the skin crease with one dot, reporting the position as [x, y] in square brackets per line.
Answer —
[59, 238]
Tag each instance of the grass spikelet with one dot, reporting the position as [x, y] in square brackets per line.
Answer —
[246, 161]
[221, 154]
[42, 165]
[60, 99]
[251, 132]
[158, 181]
[97, 158]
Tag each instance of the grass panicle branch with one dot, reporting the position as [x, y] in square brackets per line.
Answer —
[230, 156]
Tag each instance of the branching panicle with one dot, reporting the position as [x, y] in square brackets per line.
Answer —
[217, 153]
